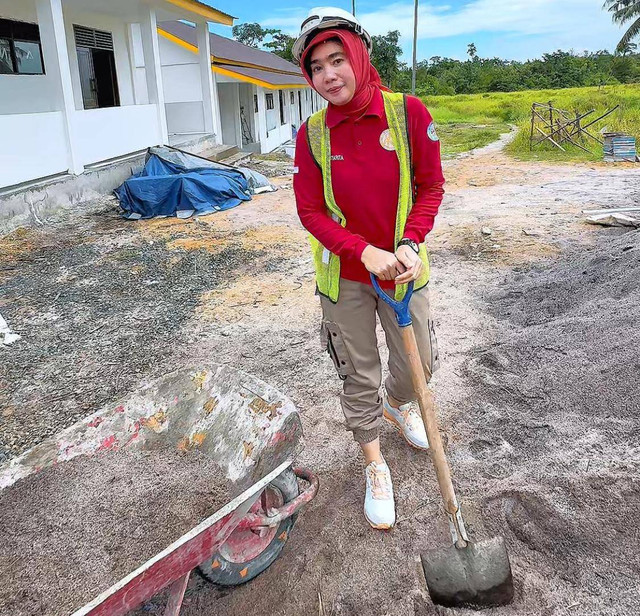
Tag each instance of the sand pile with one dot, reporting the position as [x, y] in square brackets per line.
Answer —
[559, 394]
[71, 531]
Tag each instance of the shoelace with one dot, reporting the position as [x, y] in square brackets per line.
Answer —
[413, 418]
[380, 484]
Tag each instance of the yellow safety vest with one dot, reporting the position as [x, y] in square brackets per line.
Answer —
[327, 264]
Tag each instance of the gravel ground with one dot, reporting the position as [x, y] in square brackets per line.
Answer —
[98, 307]
[536, 392]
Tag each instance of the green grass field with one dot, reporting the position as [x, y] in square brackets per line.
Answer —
[475, 119]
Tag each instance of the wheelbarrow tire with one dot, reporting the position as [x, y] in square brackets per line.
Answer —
[224, 571]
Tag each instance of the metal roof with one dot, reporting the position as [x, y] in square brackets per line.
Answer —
[271, 80]
[228, 51]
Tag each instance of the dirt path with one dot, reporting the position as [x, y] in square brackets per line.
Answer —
[106, 304]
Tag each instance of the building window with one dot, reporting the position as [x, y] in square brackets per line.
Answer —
[269, 100]
[97, 66]
[281, 97]
[255, 103]
[20, 50]
[292, 99]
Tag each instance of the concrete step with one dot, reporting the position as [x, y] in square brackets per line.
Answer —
[236, 158]
[220, 152]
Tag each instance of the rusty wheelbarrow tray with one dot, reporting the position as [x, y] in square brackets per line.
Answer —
[247, 427]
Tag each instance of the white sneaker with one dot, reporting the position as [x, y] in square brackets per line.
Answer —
[408, 420]
[379, 508]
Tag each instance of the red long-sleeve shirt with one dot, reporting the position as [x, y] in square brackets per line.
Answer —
[366, 178]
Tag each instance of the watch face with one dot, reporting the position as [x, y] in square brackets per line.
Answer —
[413, 245]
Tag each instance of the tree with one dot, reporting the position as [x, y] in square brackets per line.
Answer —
[282, 45]
[384, 57]
[251, 34]
[472, 50]
[624, 11]
[627, 48]
[624, 69]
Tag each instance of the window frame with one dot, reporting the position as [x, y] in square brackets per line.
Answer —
[22, 37]
[269, 102]
[281, 100]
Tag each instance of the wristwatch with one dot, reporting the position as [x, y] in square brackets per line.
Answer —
[405, 241]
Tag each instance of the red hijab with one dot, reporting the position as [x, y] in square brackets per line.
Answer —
[367, 77]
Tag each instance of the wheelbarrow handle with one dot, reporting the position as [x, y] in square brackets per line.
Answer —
[403, 316]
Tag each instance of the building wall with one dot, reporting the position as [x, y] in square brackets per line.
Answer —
[25, 93]
[228, 94]
[118, 28]
[38, 146]
[140, 88]
[38, 93]
[107, 133]
[182, 88]
[247, 103]
[34, 136]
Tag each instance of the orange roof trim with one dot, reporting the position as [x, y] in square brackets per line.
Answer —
[216, 68]
[204, 10]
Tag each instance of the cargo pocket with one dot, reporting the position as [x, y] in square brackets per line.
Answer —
[434, 362]
[332, 341]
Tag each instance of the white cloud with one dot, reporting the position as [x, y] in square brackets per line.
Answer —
[524, 17]
[290, 25]
[577, 24]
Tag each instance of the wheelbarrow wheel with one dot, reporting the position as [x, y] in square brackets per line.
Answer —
[247, 553]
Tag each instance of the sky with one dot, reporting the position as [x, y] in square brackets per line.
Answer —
[510, 29]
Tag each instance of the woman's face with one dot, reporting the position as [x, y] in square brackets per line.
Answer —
[331, 73]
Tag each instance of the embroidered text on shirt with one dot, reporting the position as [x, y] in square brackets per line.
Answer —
[337, 157]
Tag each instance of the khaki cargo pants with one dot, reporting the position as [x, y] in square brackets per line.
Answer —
[348, 332]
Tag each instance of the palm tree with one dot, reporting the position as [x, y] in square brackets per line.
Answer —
[628, 48]
[625, 11]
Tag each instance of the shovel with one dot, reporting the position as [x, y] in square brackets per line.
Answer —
[468, 574]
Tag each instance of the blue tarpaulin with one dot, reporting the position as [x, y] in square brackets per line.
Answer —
[165, 188]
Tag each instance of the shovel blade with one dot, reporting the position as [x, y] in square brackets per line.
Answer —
[477, 577]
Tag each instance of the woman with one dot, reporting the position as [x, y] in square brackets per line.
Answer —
[368, 184]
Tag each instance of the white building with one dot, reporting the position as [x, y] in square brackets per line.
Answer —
[262, 97]
[69, 95]
[82, 84]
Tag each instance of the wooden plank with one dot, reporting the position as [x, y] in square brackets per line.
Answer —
[601, 117]
[549, 138]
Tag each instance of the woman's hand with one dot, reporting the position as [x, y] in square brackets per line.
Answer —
[411, 262]
[383, 264]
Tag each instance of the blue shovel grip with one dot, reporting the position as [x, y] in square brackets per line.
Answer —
[403, 316]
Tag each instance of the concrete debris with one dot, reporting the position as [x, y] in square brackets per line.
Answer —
[8, 337]
[613, 211]
[486, 231]
[614, 220]
[531, 232]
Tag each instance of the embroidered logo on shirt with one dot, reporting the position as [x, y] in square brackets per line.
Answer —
[337, 157]
[386, 141]
[431, 132]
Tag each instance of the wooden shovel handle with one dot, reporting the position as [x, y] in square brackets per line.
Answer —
[427, 410]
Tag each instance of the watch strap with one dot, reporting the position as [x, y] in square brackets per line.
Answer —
[405, 241]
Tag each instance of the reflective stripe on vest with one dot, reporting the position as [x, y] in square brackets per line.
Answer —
[327, 264]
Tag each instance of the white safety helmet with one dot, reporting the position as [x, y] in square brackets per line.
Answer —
[323, 18]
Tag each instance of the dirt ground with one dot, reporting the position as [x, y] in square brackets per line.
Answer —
[537, 320]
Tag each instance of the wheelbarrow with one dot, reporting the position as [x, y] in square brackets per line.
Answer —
[248, 428]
